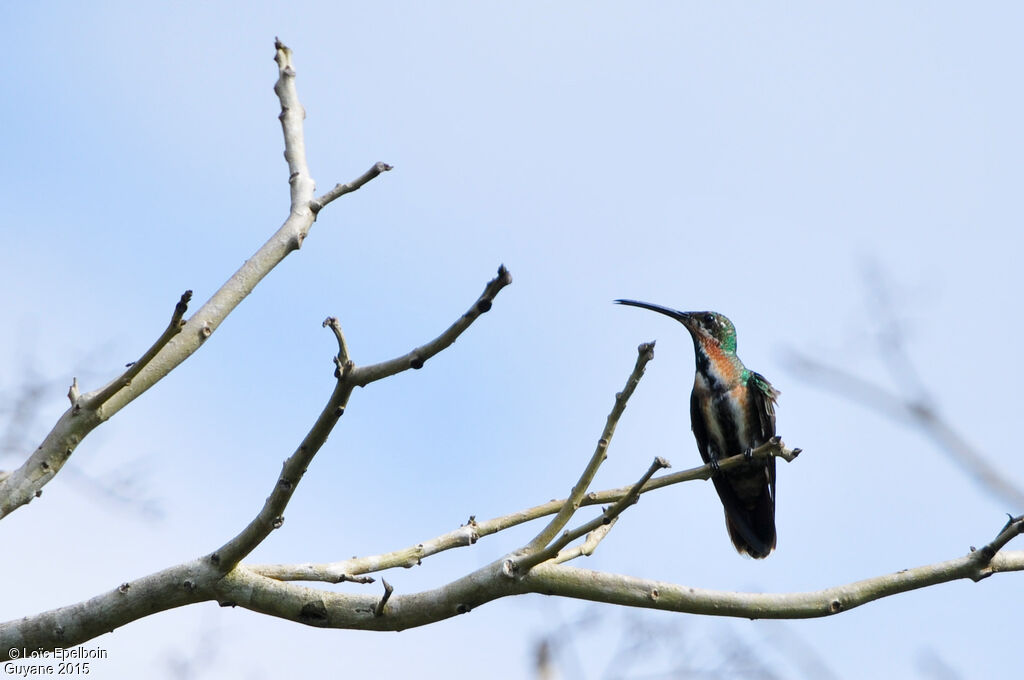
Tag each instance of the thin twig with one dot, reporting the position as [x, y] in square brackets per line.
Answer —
[339, 190]
[292, 115]
[40, 467]
[587, 547]
[773, 447]
[1014, 527]
[349, 376]
[528, 561]
[345, 578]
[490, 582]
[364, 375]
[173, 328]
[388, 589]
[73, 392]
[342, 361]
[645, 353]
[469, 534]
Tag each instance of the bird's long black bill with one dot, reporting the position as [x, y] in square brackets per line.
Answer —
[667, 311]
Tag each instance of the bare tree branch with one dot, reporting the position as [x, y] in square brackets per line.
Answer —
[365, 375]
[271, 516]
[338, 610]
[1014, 528]
[349, 376]
[74, 624]
[604, 519]
[388, 589]
[469, 533]
[18, 412]
[24, 483]
[197, 581]
[588, 546]
[914, 412]
[597, 586]
[916, 405]
[173, 328]
[340, 190]
[537, 567]
[645, 353]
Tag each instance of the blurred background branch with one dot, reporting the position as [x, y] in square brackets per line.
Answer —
[910, 402]
[22, 406]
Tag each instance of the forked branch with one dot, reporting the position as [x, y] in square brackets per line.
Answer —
[89, 410]
[645, 353]
[341, 610]
[340, 190]
[173, 328]
[348, 375]
[415, 359]
[604, 519]
[471, 532]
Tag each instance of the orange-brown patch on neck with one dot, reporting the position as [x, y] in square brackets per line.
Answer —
[725, 369]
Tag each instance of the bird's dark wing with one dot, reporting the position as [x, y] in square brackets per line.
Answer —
[699, 427]
[763, 399]
[747, 492]
[763, 402]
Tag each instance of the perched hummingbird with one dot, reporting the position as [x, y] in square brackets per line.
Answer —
[732, 410]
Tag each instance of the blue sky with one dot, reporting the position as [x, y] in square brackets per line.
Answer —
[724, 156]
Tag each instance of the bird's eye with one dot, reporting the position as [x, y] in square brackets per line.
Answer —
[710, 320]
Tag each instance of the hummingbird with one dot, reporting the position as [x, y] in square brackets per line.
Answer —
[732, 411]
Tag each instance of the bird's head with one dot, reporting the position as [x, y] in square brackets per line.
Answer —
[707, 328]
